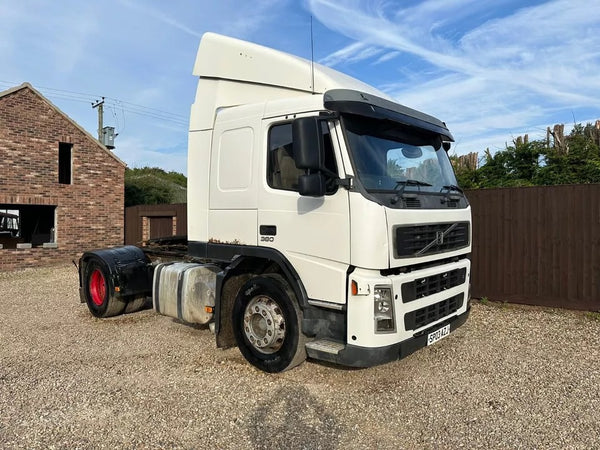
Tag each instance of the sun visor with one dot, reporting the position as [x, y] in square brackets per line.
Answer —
[368, 105]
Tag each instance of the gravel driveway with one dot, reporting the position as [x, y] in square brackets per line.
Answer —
[511, 377]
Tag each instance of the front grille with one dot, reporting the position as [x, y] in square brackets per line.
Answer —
[429, 314]
[423, 287]
[421, 240]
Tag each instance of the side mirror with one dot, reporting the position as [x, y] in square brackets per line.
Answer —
[312, 185]
[308, 143]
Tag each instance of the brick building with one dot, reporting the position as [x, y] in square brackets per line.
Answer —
[61, 191]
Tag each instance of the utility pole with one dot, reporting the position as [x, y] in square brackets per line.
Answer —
[100, 105]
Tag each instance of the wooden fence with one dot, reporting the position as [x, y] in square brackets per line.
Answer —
[537, 245]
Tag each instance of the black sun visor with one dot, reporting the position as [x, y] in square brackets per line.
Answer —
[368, 105]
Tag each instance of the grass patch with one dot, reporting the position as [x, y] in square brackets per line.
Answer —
[593, 316]
[493, 303]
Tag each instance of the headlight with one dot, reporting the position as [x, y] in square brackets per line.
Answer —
[383, 310]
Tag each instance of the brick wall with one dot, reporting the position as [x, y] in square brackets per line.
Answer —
[89, 212]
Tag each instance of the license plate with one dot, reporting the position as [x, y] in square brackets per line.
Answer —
[432, 338]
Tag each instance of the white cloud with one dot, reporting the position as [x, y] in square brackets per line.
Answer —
[160, 16]
[57, 43]
[248, 17]
[351, 54]
[386, 57]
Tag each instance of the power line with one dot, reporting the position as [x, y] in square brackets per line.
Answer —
[146, 107]
[167, 119]
[145, 111]
[125, 106]
[114, 99]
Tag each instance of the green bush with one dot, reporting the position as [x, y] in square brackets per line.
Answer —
[153, 186]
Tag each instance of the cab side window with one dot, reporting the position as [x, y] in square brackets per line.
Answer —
[282, 172]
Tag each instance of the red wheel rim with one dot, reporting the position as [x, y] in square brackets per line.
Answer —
[97, 287]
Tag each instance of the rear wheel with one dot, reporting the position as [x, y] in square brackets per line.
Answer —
[99, 292]
[267, 324]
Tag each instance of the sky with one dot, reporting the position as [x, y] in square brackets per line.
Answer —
[491, 70]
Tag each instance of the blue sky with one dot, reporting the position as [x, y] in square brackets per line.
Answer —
[491, 70]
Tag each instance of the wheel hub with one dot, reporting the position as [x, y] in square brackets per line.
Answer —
[97, 287]
[264, 324]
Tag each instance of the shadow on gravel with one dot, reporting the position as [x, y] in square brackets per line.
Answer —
[293, 419]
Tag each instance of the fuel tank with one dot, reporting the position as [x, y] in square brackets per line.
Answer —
[185, 291]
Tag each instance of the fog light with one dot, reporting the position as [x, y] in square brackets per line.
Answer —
[383, 310]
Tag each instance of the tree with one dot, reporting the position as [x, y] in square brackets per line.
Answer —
[151, 186]
[579, 163]
[576, 160]
[517, 165]
[465, 169]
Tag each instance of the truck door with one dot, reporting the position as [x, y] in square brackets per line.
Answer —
[312, 233]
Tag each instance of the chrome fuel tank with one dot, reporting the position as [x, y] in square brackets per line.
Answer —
[185, 291]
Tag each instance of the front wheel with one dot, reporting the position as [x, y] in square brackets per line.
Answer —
[267, 324]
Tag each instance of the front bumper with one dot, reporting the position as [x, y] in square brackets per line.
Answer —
[356, 356]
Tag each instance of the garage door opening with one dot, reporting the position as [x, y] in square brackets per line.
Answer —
[161, 227]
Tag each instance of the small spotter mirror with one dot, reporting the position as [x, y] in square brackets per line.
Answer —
[411, 152]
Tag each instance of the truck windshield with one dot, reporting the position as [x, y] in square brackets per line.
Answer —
[389, 156]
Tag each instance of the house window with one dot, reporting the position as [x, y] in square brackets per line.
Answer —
[34, 224]
[64, 162]
[9, 223]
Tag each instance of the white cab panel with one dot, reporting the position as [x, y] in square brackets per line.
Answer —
[232, 226]
[321, 253]
[323, 279]
[369, 233]
[199, 145]
[215, 95]
[233, 176]
[234, 165]
[234, 160]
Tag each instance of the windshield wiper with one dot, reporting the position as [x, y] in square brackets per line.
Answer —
[403, 184]
[448, 189]
[452, 187]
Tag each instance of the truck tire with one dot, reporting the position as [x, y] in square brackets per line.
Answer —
[99, 291]
[267, 324]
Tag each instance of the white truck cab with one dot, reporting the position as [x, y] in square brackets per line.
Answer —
[329, 214]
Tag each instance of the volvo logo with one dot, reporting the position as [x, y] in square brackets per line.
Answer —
[439, 237]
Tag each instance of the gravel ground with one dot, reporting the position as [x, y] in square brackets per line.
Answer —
[511, 377]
